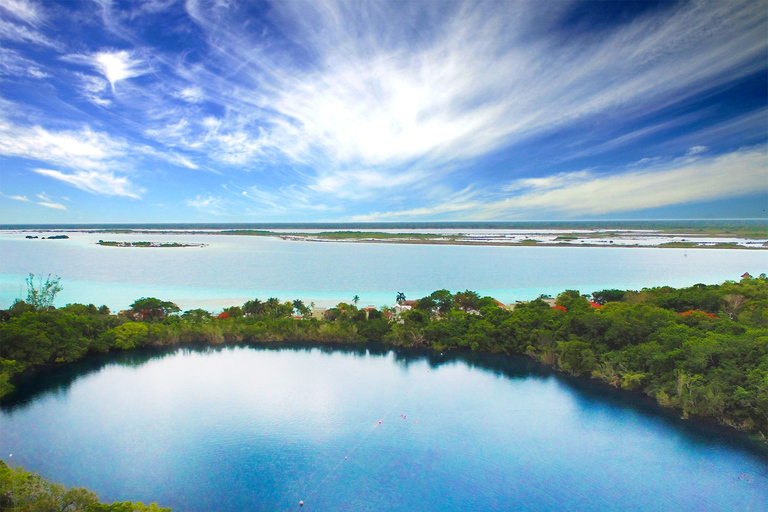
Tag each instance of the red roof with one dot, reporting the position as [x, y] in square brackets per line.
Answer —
[692, 311]
[595, 304]
[745, 274]
[559, 308]
[223, 315]
[500, 303]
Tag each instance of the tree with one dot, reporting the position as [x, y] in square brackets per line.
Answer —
[300, 308]
[253, 307]
[444, 300]
[196, 316]
[400, 298]
[355, 299]
[42, 296]
[150, 308]
[467, 300]
[606, 296]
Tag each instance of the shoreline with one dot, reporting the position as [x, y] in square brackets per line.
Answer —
[637, 239]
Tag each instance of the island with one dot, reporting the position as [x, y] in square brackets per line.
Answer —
[109, 243]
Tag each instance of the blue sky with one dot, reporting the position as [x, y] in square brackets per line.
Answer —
[229, 111]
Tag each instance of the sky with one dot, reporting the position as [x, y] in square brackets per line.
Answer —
[325, 110]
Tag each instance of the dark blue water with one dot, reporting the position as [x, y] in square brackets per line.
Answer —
[238, 429]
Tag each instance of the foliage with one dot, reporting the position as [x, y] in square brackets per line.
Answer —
[152, 309]
[702, 350]
[24, 491]
[43, 295]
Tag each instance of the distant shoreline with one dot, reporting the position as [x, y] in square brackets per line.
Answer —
[745, 236]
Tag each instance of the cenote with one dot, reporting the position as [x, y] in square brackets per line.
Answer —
[259, 428]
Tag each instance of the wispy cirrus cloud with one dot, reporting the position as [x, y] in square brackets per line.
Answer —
[23, 10]
[14, 64]
[46, 201]
[479, 78]
[95, 182]
[84, 148]
[418, 109]
[23, 22]
[587, 194]
[16, 198]
[114, 65]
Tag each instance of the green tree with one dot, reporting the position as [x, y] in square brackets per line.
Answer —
[130, 335]
[43, 295]
[467, 300]
[150, 308]
[355, 300]
[400, 297]
[253, 308]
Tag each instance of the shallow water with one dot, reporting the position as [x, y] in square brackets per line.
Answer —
[234, 269]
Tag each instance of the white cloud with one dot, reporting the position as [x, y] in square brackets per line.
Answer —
[93, 89]
[55, 206]
[584, 194]
[95, 182]
[22, 10]
[478, 77]
[695, 150]
[16, 198]
[118, 66]
[47, 201]
[191, 94]
[80, 149]
[14, 64]
[21, 34]
[115, 65]
[208, 204]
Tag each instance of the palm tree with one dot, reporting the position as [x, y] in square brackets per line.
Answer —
[400, 297]
[355, 299]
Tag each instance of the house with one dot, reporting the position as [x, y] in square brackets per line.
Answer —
[319, 313]
[405, 305]
[746, 275]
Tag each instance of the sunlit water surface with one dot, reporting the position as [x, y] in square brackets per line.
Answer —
[233, 269]
[259, 429]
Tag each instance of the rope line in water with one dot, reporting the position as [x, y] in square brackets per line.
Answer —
[365, 436]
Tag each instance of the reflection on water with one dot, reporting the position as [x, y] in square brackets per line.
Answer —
[58, 380]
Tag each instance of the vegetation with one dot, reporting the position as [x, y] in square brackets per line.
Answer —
[110, 243]
[24, 491]
[702, 350]
[42, 296]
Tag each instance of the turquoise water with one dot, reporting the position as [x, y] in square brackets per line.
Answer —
[232, 270]
[236, 429]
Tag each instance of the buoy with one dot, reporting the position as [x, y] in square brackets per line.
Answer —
[379, 423]
[301, 503]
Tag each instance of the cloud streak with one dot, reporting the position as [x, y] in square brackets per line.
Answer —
[95, 182]
[584, 194]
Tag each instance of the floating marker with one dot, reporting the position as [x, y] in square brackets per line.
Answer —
[301, 503]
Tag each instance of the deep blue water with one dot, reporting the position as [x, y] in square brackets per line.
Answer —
[237, 428]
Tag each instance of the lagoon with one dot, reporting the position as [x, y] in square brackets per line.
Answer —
[241, 428]
[230, 270]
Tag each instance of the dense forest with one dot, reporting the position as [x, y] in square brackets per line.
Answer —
[702, 350]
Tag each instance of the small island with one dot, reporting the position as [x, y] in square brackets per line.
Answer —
[111, 243]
